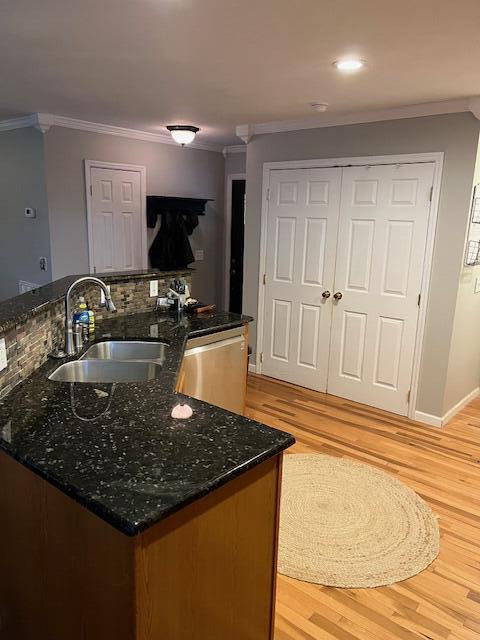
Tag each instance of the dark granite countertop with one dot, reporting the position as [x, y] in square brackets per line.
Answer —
[122, 455]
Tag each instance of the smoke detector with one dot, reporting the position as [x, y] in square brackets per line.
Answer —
[319, 107]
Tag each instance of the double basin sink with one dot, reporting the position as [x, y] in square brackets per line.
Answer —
[115, 361]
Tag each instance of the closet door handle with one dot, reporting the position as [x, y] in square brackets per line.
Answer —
[338, 295]
[326, 294]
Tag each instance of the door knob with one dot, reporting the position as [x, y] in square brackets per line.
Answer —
[338, 295]
[326, 294]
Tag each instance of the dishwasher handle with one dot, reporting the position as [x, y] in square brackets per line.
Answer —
[215, 345]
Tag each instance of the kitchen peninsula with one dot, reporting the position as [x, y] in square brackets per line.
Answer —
[118, 520]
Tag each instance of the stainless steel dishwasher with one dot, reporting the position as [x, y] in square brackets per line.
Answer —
[215, 369]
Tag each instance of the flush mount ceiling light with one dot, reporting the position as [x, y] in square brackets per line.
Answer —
[349, 64]
[183, 133]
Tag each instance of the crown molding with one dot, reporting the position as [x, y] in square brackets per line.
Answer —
[43, 122]
[472, 104]
[247, 131]
[18, 123]
[234, 148]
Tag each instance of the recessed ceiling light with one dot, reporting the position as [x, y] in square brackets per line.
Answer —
[349, 64]
[183, 133]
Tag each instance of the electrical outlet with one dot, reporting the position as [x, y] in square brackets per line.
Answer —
[199, 255]
[24, 286]
[30, 212]
[43, 263]
[154, 330]
[154, 288]
[102, 295]
[3, 354]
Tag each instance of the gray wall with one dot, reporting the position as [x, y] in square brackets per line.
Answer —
[463, 374]
[171, 170]
[22, 184]
[235, 163]
[454, 134]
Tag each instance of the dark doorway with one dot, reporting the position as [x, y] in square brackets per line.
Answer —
[236, 245]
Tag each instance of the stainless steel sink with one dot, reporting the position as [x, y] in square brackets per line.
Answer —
[98, 371]
[126, 350]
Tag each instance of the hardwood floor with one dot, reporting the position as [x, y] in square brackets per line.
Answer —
[441, 465]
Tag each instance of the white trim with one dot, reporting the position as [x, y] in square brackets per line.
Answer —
[246, 132]
[460, 405]
[267, 168]
[234, 148]
[89, 164]
[435, 157]
[427, 418]
[18, 123]
[227, 232]
[360, 161]
[43, 122]
[441, 421]
[252, 368]
[425, 288]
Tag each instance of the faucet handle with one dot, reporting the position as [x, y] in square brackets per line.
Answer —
[78, 339]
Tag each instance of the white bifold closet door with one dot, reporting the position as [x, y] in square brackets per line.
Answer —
[359, 233]
[300, 263]
[380, 256]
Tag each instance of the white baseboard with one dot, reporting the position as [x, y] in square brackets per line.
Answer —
[459, 406]
[441, 421]
[428, 418]
[252, 368]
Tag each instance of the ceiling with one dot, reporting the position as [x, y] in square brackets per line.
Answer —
[144, 64]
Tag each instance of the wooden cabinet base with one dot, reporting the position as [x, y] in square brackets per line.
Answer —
[207, 572]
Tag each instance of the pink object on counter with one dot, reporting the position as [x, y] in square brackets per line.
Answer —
[182, 411]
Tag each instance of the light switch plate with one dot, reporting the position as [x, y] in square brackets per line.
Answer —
[154, 288]
[477, 285]
[102, 295]
[199, 255]
[3, 354]
[30, 212]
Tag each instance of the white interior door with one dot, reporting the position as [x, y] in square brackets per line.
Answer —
[300, 263]
[381, 246]
[116, 224]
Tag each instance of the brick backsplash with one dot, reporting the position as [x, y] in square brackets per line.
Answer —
[30, 342]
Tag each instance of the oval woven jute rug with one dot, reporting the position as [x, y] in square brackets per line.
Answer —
[346, 524]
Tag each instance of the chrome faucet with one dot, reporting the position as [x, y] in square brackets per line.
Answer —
[70, 349]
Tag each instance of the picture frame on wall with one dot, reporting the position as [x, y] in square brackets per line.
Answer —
[472, 256]
[472, 249]
[476, 205]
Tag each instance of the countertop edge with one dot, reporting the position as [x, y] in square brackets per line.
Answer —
[112, 518]
[124, 526]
